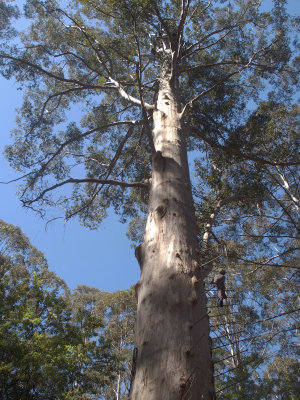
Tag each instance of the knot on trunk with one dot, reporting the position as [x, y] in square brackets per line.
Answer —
[158, 161]
[139, 254]
[161, 210]
[136, 289]
[195, 281]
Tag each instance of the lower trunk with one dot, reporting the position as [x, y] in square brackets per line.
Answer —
[173, 356]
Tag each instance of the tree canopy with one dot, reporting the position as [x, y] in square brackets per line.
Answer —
[106, 61]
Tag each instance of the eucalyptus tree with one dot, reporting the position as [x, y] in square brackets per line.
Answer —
[150, 80]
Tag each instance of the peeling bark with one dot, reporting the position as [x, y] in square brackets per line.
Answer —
[172, 329]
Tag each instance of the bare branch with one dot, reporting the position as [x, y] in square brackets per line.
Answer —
[267, 262]
[59, 94]
[190, 103]
[195, 9]
[285, 209]
[66, 53]
[15, 180]
[238, 153]
[51, 74]
[88, 180]
[79, 137]
[192, 46]
[193, 68]
[88, 37]
[178, 45]
[118, 152]
[285, 186]
[255, 55]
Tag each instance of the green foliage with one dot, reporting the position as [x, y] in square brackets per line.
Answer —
[282, 378]
[7, 13]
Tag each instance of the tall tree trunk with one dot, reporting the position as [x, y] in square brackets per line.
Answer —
[173, 356]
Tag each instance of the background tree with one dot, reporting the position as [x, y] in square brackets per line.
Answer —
[153, 80]
[282, 378]
[7, 13]
[43, 353]
[120, 313]
[109, 317]
[252, 227]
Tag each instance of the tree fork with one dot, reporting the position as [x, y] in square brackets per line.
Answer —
[173, 359]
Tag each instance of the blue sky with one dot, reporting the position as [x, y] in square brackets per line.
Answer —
[101, 258]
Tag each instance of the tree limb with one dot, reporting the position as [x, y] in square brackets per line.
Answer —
[88, 180]
[51, 74]
[83, 31]
[114, 84]
[144, 110]
[79, 137]
[118, 152]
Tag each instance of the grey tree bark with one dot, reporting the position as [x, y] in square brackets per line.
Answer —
[173, 356]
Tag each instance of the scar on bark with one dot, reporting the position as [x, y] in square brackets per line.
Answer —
[133, 368]
[185, 384]
[193, 297]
